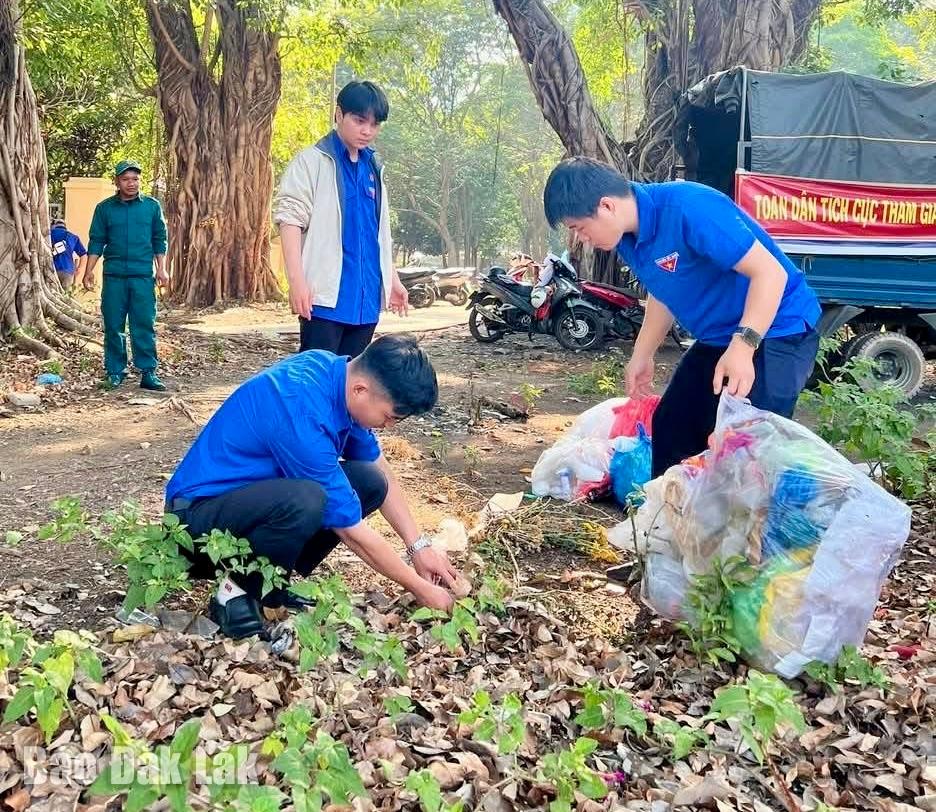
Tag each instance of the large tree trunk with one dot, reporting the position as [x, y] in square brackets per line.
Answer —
[30, 293]
[555, 72]
[759, 34]
[218, 94]
[685, 41]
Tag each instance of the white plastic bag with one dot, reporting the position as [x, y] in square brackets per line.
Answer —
[820, 534]
[571, 467]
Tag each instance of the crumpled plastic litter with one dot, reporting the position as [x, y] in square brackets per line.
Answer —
[578, 465]
[821, 535]
[630, 467]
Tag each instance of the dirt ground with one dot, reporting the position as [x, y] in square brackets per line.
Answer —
[107, 447]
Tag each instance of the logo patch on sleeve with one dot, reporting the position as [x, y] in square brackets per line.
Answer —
[668, 263]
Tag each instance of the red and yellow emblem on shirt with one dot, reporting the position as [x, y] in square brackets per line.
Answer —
[668, 263]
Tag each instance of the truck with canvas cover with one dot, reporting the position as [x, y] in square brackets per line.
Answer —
[841, 170]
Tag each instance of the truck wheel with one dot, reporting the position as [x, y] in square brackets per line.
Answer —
[900, 361]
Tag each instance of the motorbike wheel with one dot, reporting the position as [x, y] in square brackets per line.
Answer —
[579, 329]
[481, 329]
[459, 297]
[422, 296]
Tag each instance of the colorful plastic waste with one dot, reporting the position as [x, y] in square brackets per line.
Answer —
[48, 379]
[821, 535]
[578, 465]
[631, 466]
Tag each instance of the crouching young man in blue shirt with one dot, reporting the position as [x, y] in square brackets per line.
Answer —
[707, 264]
[290, 462]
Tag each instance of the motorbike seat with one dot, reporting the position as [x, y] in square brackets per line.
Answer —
[504, 279]
[624, 291]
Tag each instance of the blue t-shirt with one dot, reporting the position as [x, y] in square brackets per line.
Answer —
[359, 294]
[689, 239]
[64, 246]
[290, 421]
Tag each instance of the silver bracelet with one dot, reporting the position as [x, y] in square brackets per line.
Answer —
[420, 544]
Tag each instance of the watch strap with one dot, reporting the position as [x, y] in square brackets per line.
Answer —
[424, 541]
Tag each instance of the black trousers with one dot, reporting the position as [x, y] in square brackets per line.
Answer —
[686, 415]
[341, 339]
[281, 518]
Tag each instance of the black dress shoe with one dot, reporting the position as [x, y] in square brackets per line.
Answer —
[238, 618]
[284, 599]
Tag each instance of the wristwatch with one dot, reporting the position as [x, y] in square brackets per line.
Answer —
[750, 337]
[420, 544]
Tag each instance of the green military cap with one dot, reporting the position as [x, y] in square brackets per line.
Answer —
[125, 166]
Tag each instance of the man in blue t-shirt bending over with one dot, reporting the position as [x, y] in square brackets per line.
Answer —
[707, 264]
[290, 462]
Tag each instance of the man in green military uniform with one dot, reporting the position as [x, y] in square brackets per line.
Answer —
[128, 229]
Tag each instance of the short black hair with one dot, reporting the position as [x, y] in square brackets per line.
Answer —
[363, 98]
[576, 185]
[404, 370]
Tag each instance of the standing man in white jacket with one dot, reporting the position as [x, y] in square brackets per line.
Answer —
[334, 224]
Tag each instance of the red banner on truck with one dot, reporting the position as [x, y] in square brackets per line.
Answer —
[802, 208]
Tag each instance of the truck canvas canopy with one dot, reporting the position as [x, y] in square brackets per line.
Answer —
[828, 157]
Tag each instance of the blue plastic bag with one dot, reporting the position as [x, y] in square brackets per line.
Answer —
[630, 467]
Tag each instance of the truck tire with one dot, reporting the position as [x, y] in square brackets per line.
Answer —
[899, 358]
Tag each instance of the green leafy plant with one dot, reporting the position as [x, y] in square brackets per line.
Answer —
[604, 378]
[761, 706]
[710, 627]
[439, 447]
[151, 553]
[397, 704]
[875, 424]
[317, 770]
[317, 630]
[293, 726]
[568, 771]
[530, 395]
[234, 556]
[601, 706]
[503, 724]
[70, 520]
[44, 684]
[472, 457]
[463, 623]
[15, 645]
[168, 773]
[380, 649]
[216, 350]
[427, 789]
[681, 739]
[492, 595]
[53, 366]
[164, 773]
[851, 666]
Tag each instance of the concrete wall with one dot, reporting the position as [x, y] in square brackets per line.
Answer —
[81, 196]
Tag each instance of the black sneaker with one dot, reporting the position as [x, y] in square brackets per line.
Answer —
[238, 618]
[284, 599]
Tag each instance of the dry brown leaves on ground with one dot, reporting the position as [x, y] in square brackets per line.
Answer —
[863, 749]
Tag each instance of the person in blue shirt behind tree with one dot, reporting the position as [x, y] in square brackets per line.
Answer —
[65, 247]
[334, 223]
[291, 463]
[707, 264]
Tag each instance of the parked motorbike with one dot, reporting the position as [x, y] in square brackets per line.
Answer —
[453, 284]
[624, 312]
[502, 305]
[421, 285]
